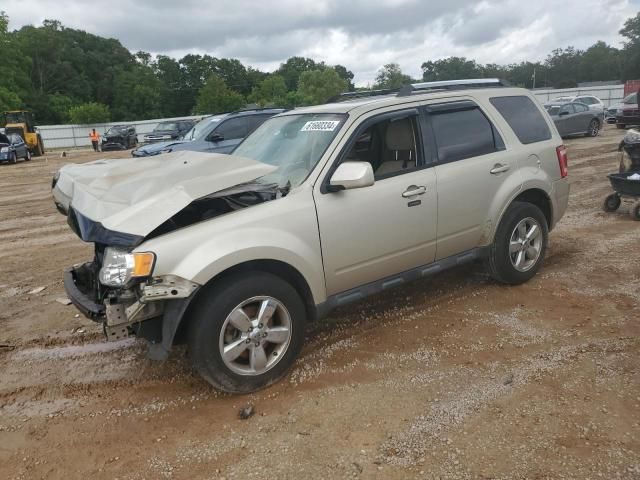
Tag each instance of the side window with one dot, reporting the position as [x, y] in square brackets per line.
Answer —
[568, 108]
[524, 118]
[463, 134]
[254, 121]
[391, 146]
[233, 128]
[580, 107]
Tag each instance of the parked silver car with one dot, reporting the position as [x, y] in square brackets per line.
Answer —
[574, 119]
[319, 207]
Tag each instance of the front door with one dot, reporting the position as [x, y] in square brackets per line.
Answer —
[371, 233]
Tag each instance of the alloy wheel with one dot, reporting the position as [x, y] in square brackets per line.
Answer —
[525, 244]
[255, 336]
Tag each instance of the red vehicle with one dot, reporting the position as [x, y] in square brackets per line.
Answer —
[629, 114]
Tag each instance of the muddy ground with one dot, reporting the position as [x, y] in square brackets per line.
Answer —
[450, 377]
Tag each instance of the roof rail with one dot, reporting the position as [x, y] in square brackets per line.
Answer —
[361, 94]
[452, 85]
[258, 109]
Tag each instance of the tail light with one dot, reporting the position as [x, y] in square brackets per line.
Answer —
[563, 160]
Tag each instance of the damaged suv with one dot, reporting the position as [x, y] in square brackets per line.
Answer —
[319, 207]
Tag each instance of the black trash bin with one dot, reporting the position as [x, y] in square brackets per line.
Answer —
[626, 183]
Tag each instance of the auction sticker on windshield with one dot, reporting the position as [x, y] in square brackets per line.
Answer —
[320, 126]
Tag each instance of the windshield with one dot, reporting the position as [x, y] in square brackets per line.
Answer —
[201, 129]
[116, 130]
[633, 98]
[552, 109]
[166, 126]
[293, 143]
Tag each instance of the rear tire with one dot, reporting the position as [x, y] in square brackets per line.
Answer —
[611, 203]
[594, 128]
[634, 211]
[519, 245]
[219, 321]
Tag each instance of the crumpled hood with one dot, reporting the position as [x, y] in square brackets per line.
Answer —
[134, 196]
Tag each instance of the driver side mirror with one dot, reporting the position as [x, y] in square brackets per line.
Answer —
[216, 137]
[563, 113]
[351, 175]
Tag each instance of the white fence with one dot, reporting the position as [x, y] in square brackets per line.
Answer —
[609, 94]
[71, 136]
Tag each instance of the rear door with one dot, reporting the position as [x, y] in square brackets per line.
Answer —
[565, 119]
[583, 117]
[472, 165]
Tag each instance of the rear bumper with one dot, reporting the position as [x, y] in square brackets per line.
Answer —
[81, 300]
[560, 200]
[628, 119]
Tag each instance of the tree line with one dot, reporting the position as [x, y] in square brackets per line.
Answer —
[66, 75]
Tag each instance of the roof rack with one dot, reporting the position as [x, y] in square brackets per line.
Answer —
[361, 94]
[452, 85]
[258, 109]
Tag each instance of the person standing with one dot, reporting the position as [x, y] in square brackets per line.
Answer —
[95, 139]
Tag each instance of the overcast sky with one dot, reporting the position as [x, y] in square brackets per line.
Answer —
[363, 35]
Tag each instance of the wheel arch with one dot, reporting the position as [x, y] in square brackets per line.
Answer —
[275, 267]
[535, 196]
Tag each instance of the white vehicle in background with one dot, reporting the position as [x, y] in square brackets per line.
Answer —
[594, 103]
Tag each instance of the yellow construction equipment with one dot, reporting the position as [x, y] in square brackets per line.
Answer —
[21, 122]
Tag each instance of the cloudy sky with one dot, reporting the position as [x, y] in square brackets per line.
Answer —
[360, 34]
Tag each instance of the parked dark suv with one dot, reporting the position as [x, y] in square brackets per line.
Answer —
[215, 134]
[171, 130]
[119, 137]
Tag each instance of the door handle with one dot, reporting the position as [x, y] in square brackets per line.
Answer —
[414, 190]
[498, 168]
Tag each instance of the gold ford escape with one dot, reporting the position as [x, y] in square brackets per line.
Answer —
[319, 207]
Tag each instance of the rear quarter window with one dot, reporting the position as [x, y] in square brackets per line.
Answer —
[524, 118]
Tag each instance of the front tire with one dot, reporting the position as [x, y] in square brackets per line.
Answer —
[620, 125]
[246, 333]
[594, 128]
[519, 245]
[14, 158]
[27, 156]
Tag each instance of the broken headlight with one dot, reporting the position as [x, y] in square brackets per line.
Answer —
[4, 150]
[120, 266]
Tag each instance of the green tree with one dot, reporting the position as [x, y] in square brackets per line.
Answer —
[630, 56]
[271, 91]
[216, 97]
[318, 86]
[631, 29]
[9, 100]
[294, 67]
[136, 94]
[391, 76]
[89, 113]
[345, 75]
[14, 67]
[452, 68]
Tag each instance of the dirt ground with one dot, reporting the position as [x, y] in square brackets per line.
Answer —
[450, 377]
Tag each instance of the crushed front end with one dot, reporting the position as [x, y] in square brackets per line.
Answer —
[118, 290]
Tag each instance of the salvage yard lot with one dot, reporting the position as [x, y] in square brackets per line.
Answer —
[450, 377]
